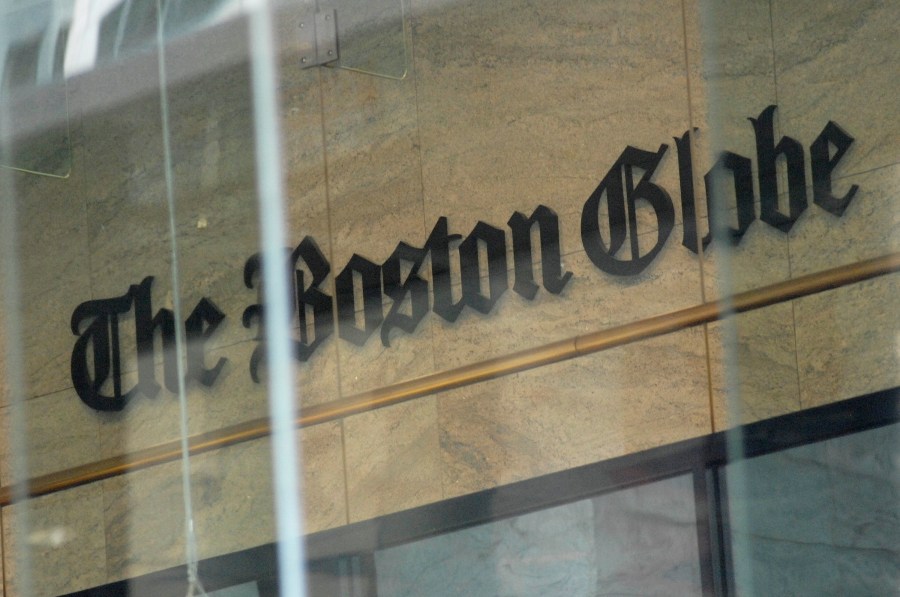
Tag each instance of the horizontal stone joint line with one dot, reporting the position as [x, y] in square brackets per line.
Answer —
[489, 369]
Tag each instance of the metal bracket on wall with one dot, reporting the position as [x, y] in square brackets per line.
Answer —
[318, 39]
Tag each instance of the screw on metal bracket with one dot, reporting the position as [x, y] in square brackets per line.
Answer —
[319, 43]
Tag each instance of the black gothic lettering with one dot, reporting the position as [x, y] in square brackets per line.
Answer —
[494, 241]
[102, 335]
[96, 362]
[398, 289]
[438, 247]
[618, 201]
[688, 200]
[554, 279]
[302, 296]
[717, 211]
[767, 154]
[312, 297]
[145, 329]
[252, 269]
[199, 326]
[345, 295]
[824, 164]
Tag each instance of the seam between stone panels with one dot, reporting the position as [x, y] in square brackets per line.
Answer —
[430, 385]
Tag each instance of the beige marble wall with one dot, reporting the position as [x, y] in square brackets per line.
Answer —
[854, 350]
[507, 105]
[233, 502]
[53, 267]
[574, 413]
[817, 63]
[59, 538]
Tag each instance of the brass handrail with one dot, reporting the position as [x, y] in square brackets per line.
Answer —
[469, 374]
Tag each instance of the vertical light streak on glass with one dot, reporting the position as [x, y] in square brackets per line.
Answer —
[15, 362]
[190, 535]
[734, 473]
[736, 482]
[285, 452]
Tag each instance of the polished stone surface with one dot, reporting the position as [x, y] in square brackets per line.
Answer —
[60, 432]
[550, 552]
[53, 265]
[232, 499]
[817, 63]
[324, 484]
[393, 459]
[374, 169]
[869, 228]
[576, 412]
[762, 258]
[865, 476]
[304, 153]
[591, 301]
[542, 99]
[213, 188]
[753, 367]
[637, 541]
[375, 185]
[846, 340]
[232, 399]
[143, 520]
[833, 62]
[818, 520]
[147, 421]
[845, 346]
[646, 538]
[62, 537]
[730, 64]
[4, 380]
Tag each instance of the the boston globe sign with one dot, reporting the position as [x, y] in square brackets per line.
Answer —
[610, 242]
